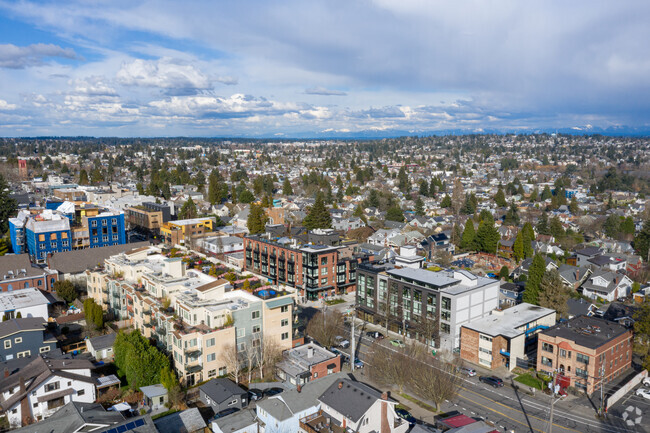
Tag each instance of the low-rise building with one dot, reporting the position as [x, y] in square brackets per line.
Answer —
[585, 351]
[18, 273]
[24, 303]
[101, 347]
[20, 338]
[607, 285]
[183, 232]
[503, 337]
[306, 363]
[222, 393]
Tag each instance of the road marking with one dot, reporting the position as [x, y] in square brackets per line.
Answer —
[510, 418]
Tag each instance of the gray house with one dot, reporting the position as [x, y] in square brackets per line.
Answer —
[101, 347]
[20, 338]
[222, 394]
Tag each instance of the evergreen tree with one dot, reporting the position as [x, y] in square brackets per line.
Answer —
[257, 219]
[642, 241]
[500, 198]
[217, 188]
[556, 228]
[403, 180]
[394, 213]
[518, 246]
[534, 195]
[512, 216]
[627, 226]
[504, 273]
[246, 197]
[535, 275]
[419, 207]
[424, 188]
[432, 188]
[553, 294]
[166, 191]
[188, 210]
[456, 235]
[287, 189]
[318, 217]
[83, 177]
[65, 289]
[487, 237]
[358, 211]
[469, 233]
[546, 193]
[542, 225]
[573, 206]
[7, 205]
[528, 236]
[446, 202]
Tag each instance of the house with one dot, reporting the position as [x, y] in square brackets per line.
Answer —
[506, 248]
[500, 339]
[510, 294]
[25, 302]
[573, 276]
[243, 421]
[353, 405]
[101, 347]
[222, 393]
[584, 350]
[436, 242]
[20, 338]
[187, 421]
[523, 268]
[606, 285]
[306, 363]
[582, 256]
[39, 388]
[580, 307]
[155, 396]
[90, 417]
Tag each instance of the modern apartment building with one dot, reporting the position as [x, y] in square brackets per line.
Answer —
[585, 351]
[194, 317]
[416, 302]
[41, 232]
[315, 270]
[182, 232]
[144, 219]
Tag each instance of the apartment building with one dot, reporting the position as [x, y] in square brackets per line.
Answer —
[191, 315]
[416, 302]
[182, 232]
[145, 219]
[315, 270]
[42, 232]
[585, 351]
[18, 273]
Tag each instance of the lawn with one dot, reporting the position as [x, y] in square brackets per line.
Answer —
[335, 301]
[530, 380]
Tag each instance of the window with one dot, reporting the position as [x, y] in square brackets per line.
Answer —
[285, 335]
[54, 403]
[52, 386]
[241, 332]
[284, 309]
[285, 322]
[211, 357]
[255, 315]
[212, 373]
[256, 329]
[582, 358]
[445, 315]
[547, 347]
[445, 328]
[445, 303]
[323, 261]
[565, 353]
[81, 392]
[323, 271]
[486, 338]
[7, 344]
[486, 351]
[93, 223]
[114, 221]
[53, 244]
[18, 340]
[209, 342]
[315, 374]
[547, 361]
[24, 354]
[323, 281]
[223, 371]
[581, 373]
[35, 405]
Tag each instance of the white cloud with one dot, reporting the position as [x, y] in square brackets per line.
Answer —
[14, 57]
[164, 73]
[4, 105]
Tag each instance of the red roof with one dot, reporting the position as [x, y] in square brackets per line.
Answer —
[458, 421]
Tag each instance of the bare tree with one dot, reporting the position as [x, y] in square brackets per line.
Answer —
[268, 354]
[433, 380]
[390, 367]
[457, 197]
[325, 326]
[426, 326]
[231, 358]
[250, 356]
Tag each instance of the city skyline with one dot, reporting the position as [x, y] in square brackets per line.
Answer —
[295, 69]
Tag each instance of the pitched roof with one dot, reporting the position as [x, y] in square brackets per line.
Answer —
[16, 263]
[189, 420]
[349, 398]
[77, 261]
[12, 326]
[103, 341]
[221, 389]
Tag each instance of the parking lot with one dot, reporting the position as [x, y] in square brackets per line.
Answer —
[634, 407]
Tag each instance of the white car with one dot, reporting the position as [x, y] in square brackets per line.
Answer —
[646, 381]
[643, 392]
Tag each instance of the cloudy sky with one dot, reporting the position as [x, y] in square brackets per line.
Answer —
[289, 68]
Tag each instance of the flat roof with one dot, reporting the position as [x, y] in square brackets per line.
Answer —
[22, 298]
[437, 279]
[507, 322]
[589, 332]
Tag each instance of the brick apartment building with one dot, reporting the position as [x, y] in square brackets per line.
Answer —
[583, 350]
[18, 273]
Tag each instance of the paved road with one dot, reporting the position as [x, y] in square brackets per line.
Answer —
[512, 410]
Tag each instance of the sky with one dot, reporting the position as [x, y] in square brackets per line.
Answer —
[317, 68]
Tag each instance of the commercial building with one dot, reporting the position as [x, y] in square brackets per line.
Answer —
[17, 272]
[193, 316]
[68, 227]
[315, 270]
[585, 352]
[182, 232]
[424, 304]
[500, 339]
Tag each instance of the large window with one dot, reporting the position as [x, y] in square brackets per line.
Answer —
[56, 402]
[582, 358]
[581, 373]
[52, 386]
[547, 361]
[445, 303]
[547, 347]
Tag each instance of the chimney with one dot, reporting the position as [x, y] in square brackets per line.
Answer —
[299, 388]
[25, 407]
[310, 352]
[385, 426]
[340, 385]
[345, 423]
[6, 372]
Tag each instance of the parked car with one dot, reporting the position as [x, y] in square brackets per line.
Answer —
[467, 371]
[397, 343]
[255, 394]
[643, 392]
[341, 342]
[225, 412]
[405, 415]
[358, 363]
[273, 391]
[491, 380]
[646, 381]
[375, 335]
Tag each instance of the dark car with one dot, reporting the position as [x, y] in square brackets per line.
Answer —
[405, 415]
[492, 380]
[226, 412]
[273, 391]
[255, 394]
[375, 334]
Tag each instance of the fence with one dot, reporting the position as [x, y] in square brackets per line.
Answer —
[624, 389]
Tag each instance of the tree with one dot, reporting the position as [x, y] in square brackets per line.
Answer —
[512, 216]
[534, 195]
[419, 207]
[394, 213]
[642, 241]
[553, 294]
[627, 226]
[424, 188]
[66, 290]
[504, 273]
[217, 188]
[546, 193]
[457, 197]
[246, 197]
[389, 368]
[518, 247]
[138, 360]
[573, 206]
[528, 235]
[318, 216]
[324, 326]
[257, 219]
[94, 314]
[287, 189]
[500, 198]
[445, 202]
[542, 225]
[612, 226]
[7, 205]
[535, 275]
[169, 380]
[268, 355]
[433, 380]
[487, 237]
[469, 234]
[188, 210]
[556, 227]
[403, 180]
[83, 177]
[642, 332]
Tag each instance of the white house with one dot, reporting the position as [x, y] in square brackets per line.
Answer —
[43, 386]
[28, 302]
[222, 244]
[607, 285]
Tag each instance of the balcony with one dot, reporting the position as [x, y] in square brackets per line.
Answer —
[319, 423]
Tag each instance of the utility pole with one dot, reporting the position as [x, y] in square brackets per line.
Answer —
[352, 342]
[552, 388]
[602, 383]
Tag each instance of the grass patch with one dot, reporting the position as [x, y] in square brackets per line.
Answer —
[419, 403]
[335, 301]
[160, 415]
[529, 380]
[434, 268]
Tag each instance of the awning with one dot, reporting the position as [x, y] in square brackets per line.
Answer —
[120, 407]
[52, 396]
[331, 366]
